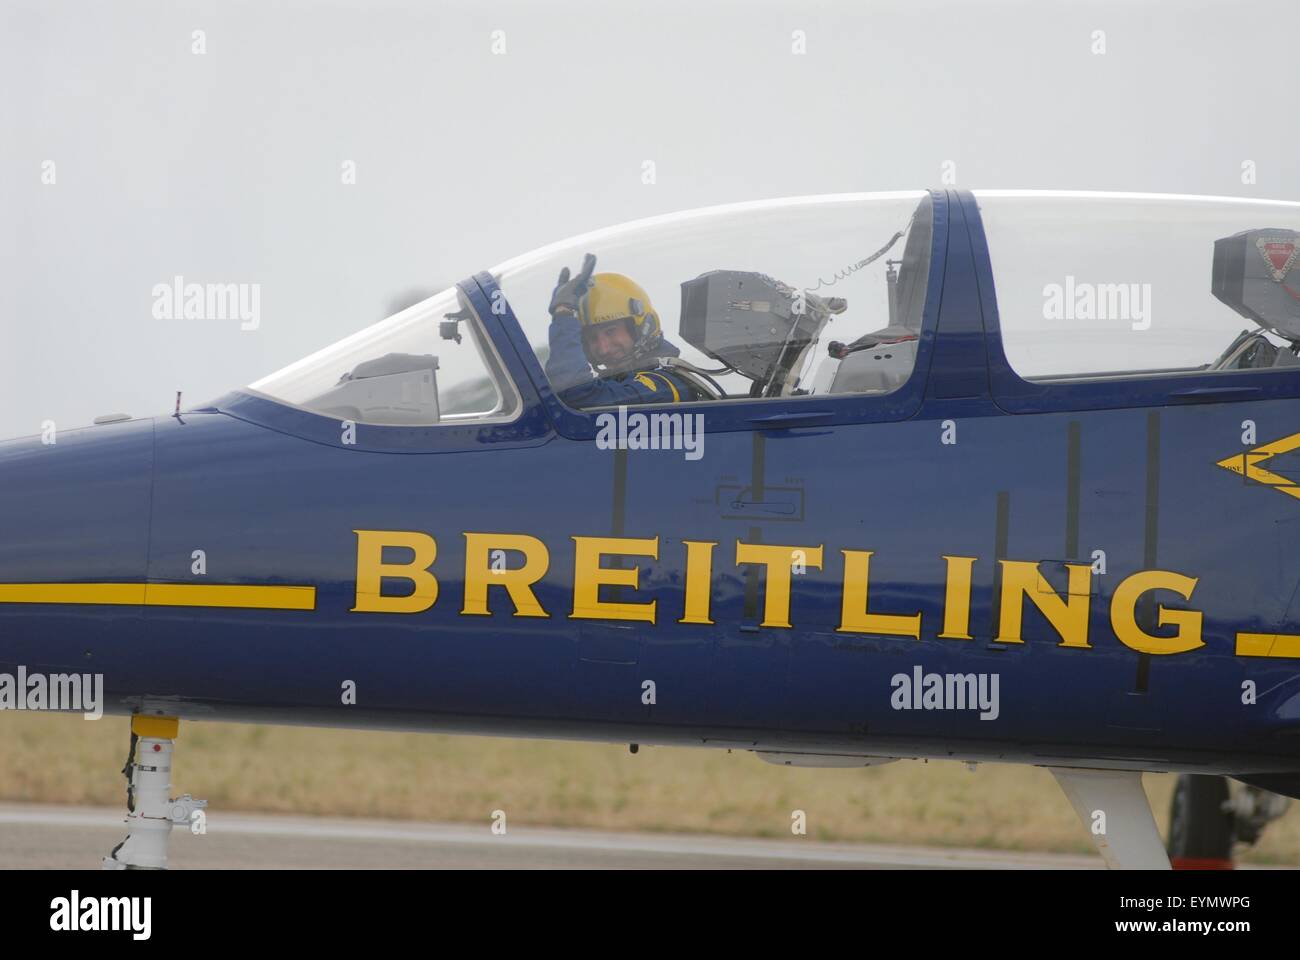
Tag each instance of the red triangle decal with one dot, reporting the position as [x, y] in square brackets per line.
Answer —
[1279, 253]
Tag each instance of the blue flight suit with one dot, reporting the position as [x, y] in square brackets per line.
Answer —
[572, 378]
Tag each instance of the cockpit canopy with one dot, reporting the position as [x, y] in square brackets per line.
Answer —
[752, 296]
[825, 296]
[1108, 286]
[431, 363]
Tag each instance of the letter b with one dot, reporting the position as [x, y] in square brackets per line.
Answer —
[371, 570]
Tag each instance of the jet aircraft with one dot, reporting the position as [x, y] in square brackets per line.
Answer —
[993, 476]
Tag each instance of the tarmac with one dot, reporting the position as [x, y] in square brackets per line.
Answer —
[66, 837]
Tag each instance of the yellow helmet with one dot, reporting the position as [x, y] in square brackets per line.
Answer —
[611, 297]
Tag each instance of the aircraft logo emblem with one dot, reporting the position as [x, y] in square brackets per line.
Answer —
[1247, 464]
[1280, 253]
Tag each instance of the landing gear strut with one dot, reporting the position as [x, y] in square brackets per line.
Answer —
[151, 813]
[1114, 808]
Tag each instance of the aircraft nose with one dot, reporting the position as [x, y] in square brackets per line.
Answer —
[74, 508]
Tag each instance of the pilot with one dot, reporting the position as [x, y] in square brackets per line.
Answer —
[607, 345]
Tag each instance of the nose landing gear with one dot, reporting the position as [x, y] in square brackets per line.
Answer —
[151, 812]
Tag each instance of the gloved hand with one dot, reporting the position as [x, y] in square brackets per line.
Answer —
[565, 296]
[567, 293]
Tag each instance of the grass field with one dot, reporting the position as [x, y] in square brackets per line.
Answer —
[56, 758]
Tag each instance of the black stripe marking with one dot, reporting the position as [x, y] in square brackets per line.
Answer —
[1001, 537]
[1073, 469]
[618, 521]
[1146, 614]
[758, 464]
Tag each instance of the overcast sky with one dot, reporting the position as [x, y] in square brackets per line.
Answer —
[480, 130]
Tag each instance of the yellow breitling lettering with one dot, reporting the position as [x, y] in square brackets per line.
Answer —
[1066, 612]
[1123, 613]
[589, 576]
[854, 617]
[780, 561]
[371, 570]
[1068, 617]
[956, 600]
[699, 580]
[480, 574]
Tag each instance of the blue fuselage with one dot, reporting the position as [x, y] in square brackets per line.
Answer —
[1112, 479]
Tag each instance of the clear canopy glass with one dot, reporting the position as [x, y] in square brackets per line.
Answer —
[431, 363]
[1114, 285]
[754, 294]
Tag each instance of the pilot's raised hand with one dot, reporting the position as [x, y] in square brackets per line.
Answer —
[567, 293]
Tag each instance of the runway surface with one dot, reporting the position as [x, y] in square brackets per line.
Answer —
[46, 836]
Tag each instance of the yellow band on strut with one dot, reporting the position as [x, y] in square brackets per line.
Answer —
[163, 728]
